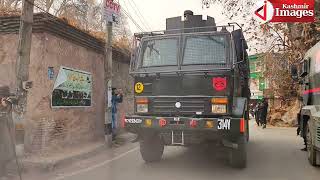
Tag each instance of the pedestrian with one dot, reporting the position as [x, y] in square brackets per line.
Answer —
[257, 113]
[117, 97]
[301, 130]
[252, 110]
[7, 152]
[264, 113]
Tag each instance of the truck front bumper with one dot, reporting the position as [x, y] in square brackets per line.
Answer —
[202, 128]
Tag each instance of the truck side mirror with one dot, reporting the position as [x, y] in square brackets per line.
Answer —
[305, 67]
[294, 72]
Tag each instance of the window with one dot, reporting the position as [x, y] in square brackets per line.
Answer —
[205, 50]
[161, 52]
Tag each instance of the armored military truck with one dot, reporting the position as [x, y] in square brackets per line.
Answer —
[191, 87]
[307, 73]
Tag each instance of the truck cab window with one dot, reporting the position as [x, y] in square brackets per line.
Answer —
[159, 52]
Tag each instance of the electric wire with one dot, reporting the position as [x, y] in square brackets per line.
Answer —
[132, 19]
[139, 15]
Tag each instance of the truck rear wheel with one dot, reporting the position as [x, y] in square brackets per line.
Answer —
[238, 157]
[151, 148]
[312, 153]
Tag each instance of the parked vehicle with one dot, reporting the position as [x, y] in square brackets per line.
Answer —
[308, 76]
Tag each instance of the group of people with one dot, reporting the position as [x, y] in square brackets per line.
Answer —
[260, 112]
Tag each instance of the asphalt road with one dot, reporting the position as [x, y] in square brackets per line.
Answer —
[273, 154]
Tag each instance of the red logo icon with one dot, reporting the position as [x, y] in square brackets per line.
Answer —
[264, 9]
[219, 83]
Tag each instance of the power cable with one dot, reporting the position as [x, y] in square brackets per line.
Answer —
[139, 15]
[130, 17]
[134, 22]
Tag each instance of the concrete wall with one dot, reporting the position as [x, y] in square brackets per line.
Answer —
[8, 56]
[48, 129]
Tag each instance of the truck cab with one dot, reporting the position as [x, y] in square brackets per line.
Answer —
[307, 73]
[191, 87]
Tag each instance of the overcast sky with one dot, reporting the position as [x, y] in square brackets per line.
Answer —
[155, 12]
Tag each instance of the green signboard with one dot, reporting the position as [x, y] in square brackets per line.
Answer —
[72, 88]
[255, 75]
[262, 84]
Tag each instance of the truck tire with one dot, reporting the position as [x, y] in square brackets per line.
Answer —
[151, 148]
[238, 157]
[312, 153]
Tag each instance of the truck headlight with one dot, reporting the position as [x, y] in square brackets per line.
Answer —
[142, 108]
[219, 108]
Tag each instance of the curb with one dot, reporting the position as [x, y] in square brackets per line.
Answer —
[47, 165]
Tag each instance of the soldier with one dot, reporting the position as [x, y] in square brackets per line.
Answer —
[257, 113]
[264, 113]
[6, 126]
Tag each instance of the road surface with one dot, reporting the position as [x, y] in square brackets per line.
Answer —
[273, 154]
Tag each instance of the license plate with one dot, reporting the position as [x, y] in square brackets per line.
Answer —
[224, 124]
[176, 119]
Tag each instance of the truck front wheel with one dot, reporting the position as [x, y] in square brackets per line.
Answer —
[238, 156]
[151, 148]
[312, 153]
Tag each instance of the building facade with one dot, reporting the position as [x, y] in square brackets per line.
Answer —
[257, 81]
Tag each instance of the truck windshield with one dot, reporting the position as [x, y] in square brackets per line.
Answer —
[160, 52]
[207, 49]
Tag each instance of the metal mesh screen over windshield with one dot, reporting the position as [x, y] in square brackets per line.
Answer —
[205, 50]
[160, 52]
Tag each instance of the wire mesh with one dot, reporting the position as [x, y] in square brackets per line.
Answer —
[205, 50]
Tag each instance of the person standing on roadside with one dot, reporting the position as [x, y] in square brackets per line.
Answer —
[264, 113]
[257, 113]
[6, 127]
[117, 97]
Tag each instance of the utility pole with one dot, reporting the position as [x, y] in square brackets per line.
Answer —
[108, 81]
[24, 48]
[111, 11]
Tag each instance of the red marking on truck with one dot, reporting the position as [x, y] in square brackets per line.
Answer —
[242, 129]
[162, 122]
[309, 91]
[219, 83]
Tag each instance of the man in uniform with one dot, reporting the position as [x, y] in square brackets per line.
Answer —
[6, 134]
[264, 113]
